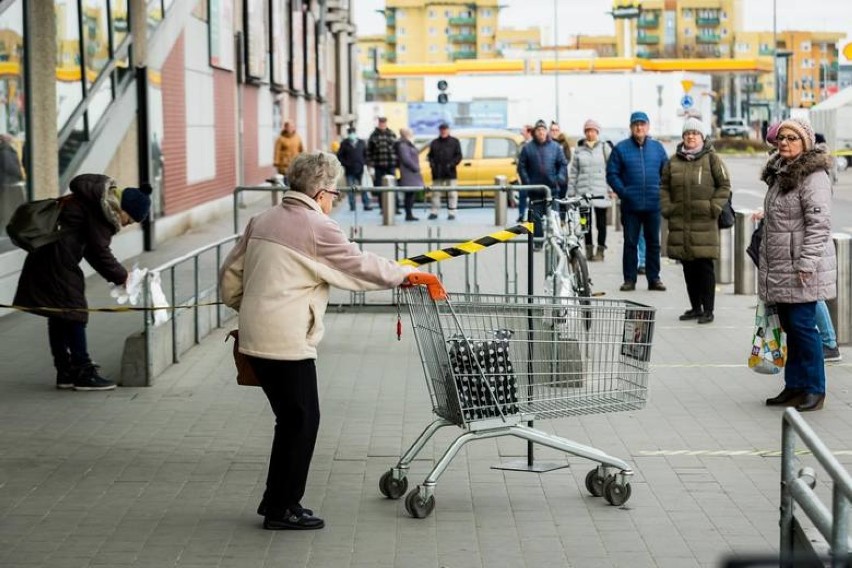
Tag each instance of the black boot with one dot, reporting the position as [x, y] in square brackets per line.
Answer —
[89, 379]
[787, 397]
[64, 374]
[811, 401]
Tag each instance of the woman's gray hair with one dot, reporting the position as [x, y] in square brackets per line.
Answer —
[311, 172]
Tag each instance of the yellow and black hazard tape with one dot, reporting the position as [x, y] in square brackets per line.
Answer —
[462, 249]
[468, 247]
[108, 310]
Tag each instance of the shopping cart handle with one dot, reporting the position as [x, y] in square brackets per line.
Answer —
[433, 285]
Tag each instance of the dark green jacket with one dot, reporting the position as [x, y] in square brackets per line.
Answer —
[692, 194]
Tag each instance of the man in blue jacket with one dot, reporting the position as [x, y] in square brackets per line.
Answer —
[633, 172]
[542, 162]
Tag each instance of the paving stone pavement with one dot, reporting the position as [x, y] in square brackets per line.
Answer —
[171, 475]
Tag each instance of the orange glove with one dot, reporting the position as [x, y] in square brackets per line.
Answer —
[433, 285]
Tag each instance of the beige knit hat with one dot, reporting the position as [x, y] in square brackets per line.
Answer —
[801, 127]
[693, 123]
[591, 124]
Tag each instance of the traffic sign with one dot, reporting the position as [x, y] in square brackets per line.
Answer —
[687, 102]
[687, 85]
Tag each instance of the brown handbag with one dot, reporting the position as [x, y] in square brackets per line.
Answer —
[245, 372]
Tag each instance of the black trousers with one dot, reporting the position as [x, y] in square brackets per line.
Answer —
[67, 343]
[599, 222]
[700, 276]
[291, 387]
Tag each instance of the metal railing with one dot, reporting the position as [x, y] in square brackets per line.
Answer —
[797, 489]
[192, 264]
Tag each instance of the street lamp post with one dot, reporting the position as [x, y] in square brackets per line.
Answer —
[777, 111]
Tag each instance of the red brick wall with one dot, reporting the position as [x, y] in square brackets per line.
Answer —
[178, 194]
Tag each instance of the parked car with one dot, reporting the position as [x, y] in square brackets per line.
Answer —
[486, 153]
[735, 128]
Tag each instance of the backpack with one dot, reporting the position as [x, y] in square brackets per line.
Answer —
[36, 224]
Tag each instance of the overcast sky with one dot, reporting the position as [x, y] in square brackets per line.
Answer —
[590, 16]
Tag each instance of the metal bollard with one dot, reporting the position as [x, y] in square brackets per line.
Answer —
[725, 262]
[840, 308]
[388, 200]
[501, 200]
[745, 272]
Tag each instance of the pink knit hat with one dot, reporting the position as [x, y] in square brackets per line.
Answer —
[772, 133]
[802, 128]
[593, 124]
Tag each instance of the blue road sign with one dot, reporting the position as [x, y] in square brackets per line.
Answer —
[687, 102]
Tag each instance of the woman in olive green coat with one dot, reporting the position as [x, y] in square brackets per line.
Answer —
[695, 186]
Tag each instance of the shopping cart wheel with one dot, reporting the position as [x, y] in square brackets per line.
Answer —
[595, 483]
[615, 492]
[391, 487]
[418, 507]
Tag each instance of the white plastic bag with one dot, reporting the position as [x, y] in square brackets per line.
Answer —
[130, 291]
[158, 299]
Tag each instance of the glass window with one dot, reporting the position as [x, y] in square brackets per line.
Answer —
[69, 84]
[499, 148]
[120, 22]
[12, 116]
[468, 147]
[99, 103]
[155, 14]
[95, 37]
[431, 13]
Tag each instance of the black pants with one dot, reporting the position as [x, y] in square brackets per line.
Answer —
[599, 222]
[291, 387]
[700, 279]
[67, 343]
[409, 203]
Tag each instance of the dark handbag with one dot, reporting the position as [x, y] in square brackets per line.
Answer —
[245, 372]
[727, 217]
[753, 250]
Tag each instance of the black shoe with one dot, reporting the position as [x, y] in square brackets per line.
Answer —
[520, 219]
[787, 397]
[64, 380]
[641, 270]
[262, 508]
[293, 520]
[88, 379]
[657, 286]
[811, 401]
[368, 208]
[411, 218]
[432, 216]
[628, 287]
[831, 354]
[706, 318]
[690, 315]
[451, 217]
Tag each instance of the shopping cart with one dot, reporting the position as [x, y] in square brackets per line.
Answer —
[494, 362]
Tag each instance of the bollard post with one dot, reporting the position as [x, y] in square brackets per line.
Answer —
[501, 200]
[388, 199]
[840, 308]
[725, 262]
[745, 272]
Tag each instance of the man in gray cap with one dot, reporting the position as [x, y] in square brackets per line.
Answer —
[634, 173]
[444, 156]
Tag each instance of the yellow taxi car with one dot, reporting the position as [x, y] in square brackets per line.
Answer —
[486, 153]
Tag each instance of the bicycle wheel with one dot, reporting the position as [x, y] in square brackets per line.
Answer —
[580, 283]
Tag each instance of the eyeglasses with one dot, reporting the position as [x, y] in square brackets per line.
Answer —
[786, 138]
[334, 194]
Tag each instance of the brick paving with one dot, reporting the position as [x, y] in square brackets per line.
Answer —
[171, 475]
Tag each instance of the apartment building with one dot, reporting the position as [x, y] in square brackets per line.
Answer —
[510, 40]
[680, 28]
[808, 70]
[370, 52]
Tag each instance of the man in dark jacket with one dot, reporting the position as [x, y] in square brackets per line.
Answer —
[380, 154]
[633, 172]
[444, 156]
[353, 156]
[51, 278]
[541, 162]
